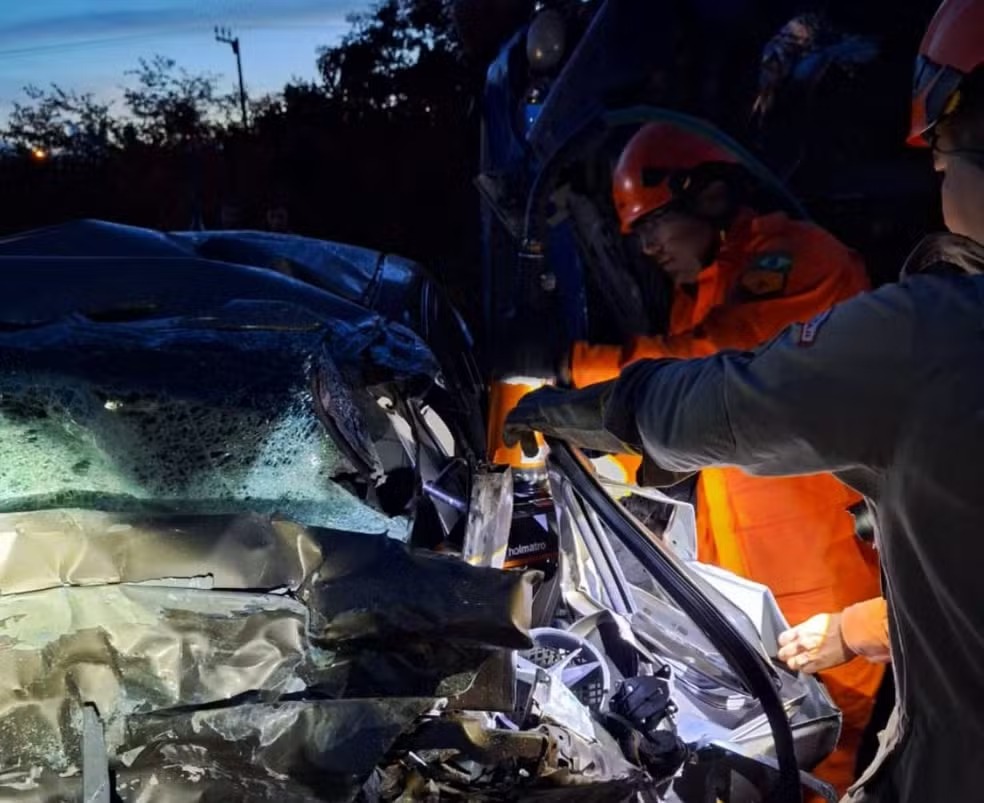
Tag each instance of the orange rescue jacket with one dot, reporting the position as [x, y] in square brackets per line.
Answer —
[864, 628]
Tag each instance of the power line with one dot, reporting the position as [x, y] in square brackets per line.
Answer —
[84, 44]
[163, 33]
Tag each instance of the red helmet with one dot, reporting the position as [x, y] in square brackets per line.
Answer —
[658, 153]
[952, 47]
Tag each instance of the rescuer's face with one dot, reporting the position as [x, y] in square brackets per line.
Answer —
[962, 190]
[679, 243]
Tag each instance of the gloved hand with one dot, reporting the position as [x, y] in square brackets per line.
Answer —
[582, 418]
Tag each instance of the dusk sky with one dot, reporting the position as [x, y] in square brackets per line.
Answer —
[88, 45]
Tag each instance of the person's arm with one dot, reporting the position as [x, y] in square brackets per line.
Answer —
[822, 396]
[738, 326]
[864, 628]
[744, 323]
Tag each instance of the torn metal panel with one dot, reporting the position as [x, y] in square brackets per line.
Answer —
[568, 677]
[755, 600]
[681, 531]
[575, 761]
[489, 519]
[130, 649]
[471, 736]
[494, 686]
[325, 750]
[557, 703]
[481, 762]
[51, 548]
[95, 758]
[147, 655]
[38, 785]
[402, 668]
[376, 589]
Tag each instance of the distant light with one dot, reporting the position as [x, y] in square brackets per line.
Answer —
[39, 154]
[546, 40]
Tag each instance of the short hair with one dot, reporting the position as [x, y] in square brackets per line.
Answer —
[965, 124]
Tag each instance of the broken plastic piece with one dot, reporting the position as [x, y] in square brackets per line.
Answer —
[489, 519]
[95, 759]
[644, 701]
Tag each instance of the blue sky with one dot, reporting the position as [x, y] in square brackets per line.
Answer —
[87, 45]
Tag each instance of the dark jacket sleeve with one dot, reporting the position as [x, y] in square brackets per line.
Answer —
[827, 395]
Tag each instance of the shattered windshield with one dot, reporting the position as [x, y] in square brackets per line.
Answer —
[192, 426]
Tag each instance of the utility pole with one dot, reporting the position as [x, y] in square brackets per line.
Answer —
[224, 35]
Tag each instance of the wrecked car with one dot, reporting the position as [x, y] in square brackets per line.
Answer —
[252, 550]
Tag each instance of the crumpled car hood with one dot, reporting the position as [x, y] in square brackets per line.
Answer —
[242, 654]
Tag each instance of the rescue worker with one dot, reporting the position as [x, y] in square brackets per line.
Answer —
[885, 389]
[740, 278]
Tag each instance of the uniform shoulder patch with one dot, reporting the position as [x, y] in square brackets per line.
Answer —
[766, 275]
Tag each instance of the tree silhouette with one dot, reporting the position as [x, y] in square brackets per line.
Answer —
[171, 106]
[401, 58]
[56, 119]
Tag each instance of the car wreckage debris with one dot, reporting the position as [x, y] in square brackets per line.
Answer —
[328, 747]
[376, 589]
[247, 658]
[53, 548]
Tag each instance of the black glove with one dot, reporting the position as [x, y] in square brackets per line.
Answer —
[582, 418]
[650, 475]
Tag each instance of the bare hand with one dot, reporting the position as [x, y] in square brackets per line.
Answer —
[814, 645]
